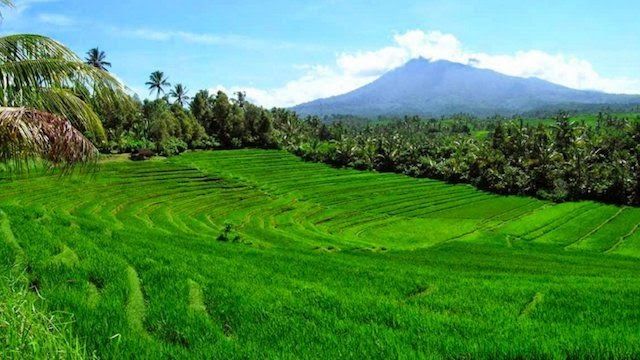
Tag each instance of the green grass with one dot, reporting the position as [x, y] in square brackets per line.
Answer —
[25, 331]
[330, 264]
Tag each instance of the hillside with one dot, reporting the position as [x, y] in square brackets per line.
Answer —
[319, 263]
[422, 87]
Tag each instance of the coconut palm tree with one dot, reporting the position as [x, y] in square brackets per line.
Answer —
[97, 59]
[43, 110]
[180, 93]
[157, 82]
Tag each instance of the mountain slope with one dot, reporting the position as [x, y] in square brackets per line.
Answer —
[442, 87]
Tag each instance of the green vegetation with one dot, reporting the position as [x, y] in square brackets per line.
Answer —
[258, 254]
[330, 263]
[45, 105]
[28, 333]
[171, 124]
[97, 59]
[566, 160]
[25, 331]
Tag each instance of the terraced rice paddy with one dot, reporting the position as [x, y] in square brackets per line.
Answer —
[331, 263]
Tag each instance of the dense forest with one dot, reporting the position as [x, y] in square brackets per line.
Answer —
[558, 160]
[170, 128]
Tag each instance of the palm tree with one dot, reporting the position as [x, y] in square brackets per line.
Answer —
[180, 93]
[157, 82]
[42, 101]
[96, 58]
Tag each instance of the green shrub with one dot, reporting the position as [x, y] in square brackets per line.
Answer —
[128, 143]
[229, 235]
[172, 146]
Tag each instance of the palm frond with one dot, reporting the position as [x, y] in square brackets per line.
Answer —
[29, 46]
[67, 104]
[38, 72]
[26, 134]
[97, 59]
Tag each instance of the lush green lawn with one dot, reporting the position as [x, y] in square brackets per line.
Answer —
[330, 264]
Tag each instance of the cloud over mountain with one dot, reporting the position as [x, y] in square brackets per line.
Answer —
[353, 70]
[441, 87]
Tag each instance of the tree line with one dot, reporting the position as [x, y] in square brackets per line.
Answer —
[174, 122]
[46, 118]
[559, 160]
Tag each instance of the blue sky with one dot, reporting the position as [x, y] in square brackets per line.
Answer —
[285, 52]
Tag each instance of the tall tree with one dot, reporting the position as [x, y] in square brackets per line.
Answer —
[157, 82]
[264, 129]
[221, 119]
[43, 111]
[201, 106]
[97, 59]
[180, 94]
[241, 98]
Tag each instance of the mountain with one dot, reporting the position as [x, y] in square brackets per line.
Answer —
[435, 88]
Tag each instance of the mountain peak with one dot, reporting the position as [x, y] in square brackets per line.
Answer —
[417, 60]
[421, 61]
[441, 87]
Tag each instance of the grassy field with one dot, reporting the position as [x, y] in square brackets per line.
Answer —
[317, 262]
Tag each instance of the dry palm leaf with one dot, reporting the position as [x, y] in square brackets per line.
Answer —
[27, 134]
[41, 74]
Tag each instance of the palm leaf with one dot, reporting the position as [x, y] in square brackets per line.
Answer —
[27, 134]
[67, 104]
[27, 46]
[40, 73]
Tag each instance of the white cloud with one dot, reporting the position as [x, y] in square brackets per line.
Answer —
[372, 62]
[56, 19]
[15, 17]
[356, 69]
[564, 70]
[431, 45]
[319, 82]
[157, 35]
[231, 40]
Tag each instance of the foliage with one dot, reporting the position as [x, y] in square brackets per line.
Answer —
[563, 160]
[97, 59]
[29, 333]
[234, 124]
[172, 146]
[209, 122]
[29, 134]
[41, 76]
[180, 94]
[228, 234]
[157, 83]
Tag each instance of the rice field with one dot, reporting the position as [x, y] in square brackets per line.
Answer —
[257, 254]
